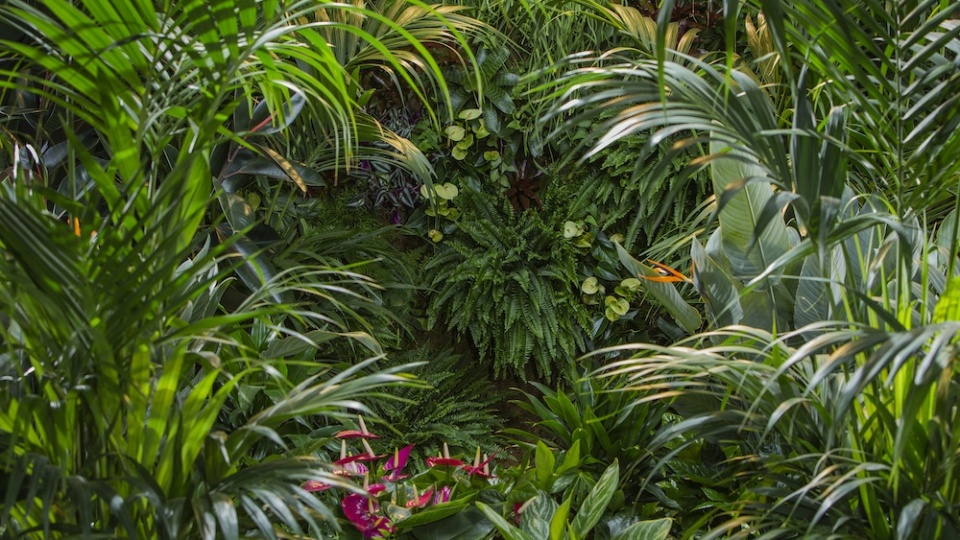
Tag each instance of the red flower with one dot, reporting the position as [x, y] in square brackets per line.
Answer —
[366, 456]
[444, 462]
[421, 501]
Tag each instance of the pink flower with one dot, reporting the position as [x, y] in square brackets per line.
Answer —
[396, 464]
[364, 514]
[443, 495]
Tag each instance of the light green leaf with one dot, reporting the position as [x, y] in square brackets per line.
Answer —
[508, 531]
[657, 529]
[545, 462]
[470, 114]
[572, 230]
[590, 285]
[559, 522]
[455, 133]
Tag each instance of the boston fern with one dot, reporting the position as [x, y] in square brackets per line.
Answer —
[452, 409]
[506, 278]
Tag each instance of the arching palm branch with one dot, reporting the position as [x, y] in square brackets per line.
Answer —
[122, 345]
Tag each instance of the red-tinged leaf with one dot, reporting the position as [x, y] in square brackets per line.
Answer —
[354, 434]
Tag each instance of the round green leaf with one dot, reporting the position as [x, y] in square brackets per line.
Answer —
[590, 285]
[469, 114]
[455, 133]
[571, 230]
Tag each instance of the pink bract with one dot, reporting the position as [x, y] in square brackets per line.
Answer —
[443, 495]
[364, 514]
[399, 460]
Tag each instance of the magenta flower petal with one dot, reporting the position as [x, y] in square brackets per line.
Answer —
[380, 526]
[376, 489]
[354, 468]
[444, 462]
[399, 459]
[394, 477]
[363, 513]
[443, 495]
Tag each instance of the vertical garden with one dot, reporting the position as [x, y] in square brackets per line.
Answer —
[495, 269]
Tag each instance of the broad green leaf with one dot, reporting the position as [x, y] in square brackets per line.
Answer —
[744, 189]
[948, 306]
[508, 531]
[590, 285]
[437, 512]
[465, 524]
[537, 515]
[559, 522]
[455, 133]
[545, 462]
[646, 530]
[719, 289]
[595, 504]
[263, 122]
[469, 114]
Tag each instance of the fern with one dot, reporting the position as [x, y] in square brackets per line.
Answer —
[456, 410]
[628, 185]
[504, 278]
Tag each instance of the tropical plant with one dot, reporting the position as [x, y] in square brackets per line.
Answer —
[594, 428]
[390, 502]
[508, 280]
[541, 516]
[839, 428]
[453, 410]
[126, 342]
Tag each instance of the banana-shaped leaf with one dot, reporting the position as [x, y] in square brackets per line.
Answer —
[742, 185]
